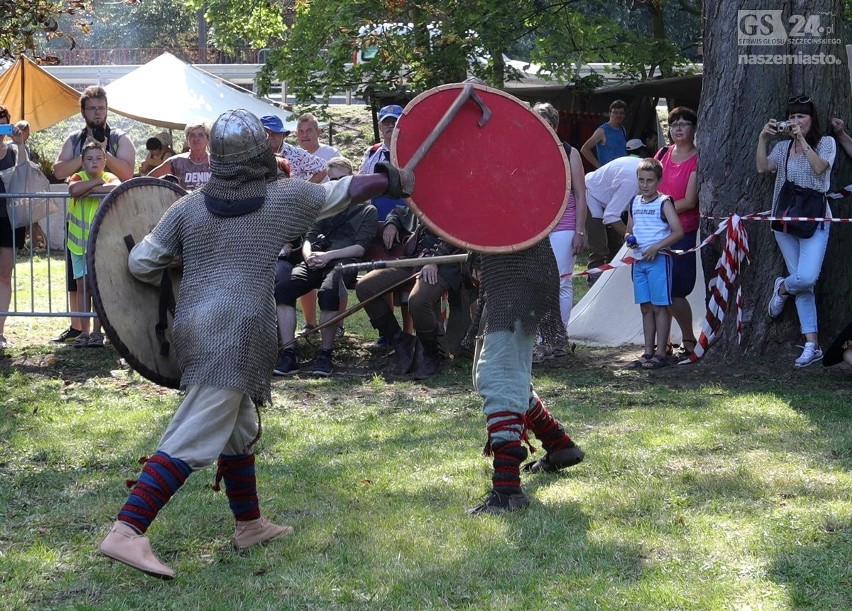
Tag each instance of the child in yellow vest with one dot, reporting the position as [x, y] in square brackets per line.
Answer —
[90, 180]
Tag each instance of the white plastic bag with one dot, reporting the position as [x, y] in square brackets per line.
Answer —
[27, 178]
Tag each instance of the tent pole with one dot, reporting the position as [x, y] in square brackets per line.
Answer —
[22, 59]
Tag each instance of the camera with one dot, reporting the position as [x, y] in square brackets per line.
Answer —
[783, 127]
[7, 129]
[99, 133]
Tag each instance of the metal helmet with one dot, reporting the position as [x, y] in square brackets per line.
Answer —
[236, 135]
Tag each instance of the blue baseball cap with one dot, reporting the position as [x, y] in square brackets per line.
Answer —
[274, 124]
[392, 110]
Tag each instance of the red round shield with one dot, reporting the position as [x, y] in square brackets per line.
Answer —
[495, 188]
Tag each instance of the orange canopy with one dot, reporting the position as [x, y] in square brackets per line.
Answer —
[31, 93]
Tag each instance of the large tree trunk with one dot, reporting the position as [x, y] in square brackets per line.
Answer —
[736, 101]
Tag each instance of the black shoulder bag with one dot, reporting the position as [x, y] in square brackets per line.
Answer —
[796, 201]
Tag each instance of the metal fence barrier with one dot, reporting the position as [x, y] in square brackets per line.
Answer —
[43, 256]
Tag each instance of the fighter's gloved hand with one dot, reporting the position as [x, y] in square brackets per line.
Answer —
[400, 180]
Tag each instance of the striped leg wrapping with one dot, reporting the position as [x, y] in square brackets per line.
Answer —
[548, 429]
[240, 485]
[508, 456]
[161, 477]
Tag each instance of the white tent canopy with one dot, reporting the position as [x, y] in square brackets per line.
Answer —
[170, 93]
[607, 315]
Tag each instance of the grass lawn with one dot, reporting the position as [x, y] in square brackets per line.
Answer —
[712, 486]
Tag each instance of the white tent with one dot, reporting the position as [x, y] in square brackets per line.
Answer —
[607, 315]
[170, 93]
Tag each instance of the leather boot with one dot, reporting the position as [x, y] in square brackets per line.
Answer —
[404, 345]
[124, 544]
[428, 360]
[254, 532]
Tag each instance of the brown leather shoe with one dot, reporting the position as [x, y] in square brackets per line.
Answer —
[253, 532]
[124, 544]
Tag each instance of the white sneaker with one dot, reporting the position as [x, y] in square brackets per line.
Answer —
[4, 343]
[776, 303]
[810, 355]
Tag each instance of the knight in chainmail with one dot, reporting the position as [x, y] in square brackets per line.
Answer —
[518, 298]
[227, 235]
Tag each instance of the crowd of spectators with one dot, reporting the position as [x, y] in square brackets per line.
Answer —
[595, 219]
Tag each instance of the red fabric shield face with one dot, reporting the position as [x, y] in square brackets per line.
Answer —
[497, 188]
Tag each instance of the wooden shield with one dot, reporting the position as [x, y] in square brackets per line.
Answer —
[495, 188]
[129, 309]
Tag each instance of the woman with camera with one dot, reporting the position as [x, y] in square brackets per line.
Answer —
[804, 160]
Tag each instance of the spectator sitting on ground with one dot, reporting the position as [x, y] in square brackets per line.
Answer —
[303, 165]
[840, 349]
[88, 181]
[342, 238]
[424, 300]
[159, 149]
[192, 168]
[338, 167]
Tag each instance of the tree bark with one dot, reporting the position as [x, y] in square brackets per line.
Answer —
[736, 101]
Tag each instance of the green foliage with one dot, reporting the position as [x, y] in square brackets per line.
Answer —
[25, 26]
[139, 24]
[417, 45]
[254, 23]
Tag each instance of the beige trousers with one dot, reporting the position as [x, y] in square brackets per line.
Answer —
[210, 421]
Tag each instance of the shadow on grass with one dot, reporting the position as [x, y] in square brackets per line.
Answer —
[817, 575]
[59, 361]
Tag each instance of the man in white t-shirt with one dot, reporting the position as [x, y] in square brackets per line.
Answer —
[609, 190]
[308, 133]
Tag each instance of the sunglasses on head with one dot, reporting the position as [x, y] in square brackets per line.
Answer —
[801, 99]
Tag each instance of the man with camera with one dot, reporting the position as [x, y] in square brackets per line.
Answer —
[120, 160]
[342, 238]
[120, 153]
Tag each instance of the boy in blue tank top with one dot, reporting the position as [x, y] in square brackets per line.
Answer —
[652, 225]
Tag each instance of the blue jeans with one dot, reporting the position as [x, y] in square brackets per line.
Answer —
[804, 262]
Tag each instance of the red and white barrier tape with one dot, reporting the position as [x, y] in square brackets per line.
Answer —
[726, 272]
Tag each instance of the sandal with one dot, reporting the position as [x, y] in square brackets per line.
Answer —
[685, 352]
[656, 362]
[640, 362]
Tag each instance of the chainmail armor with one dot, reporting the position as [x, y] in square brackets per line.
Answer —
[224, 332]
[241, 180]
[520, 286]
